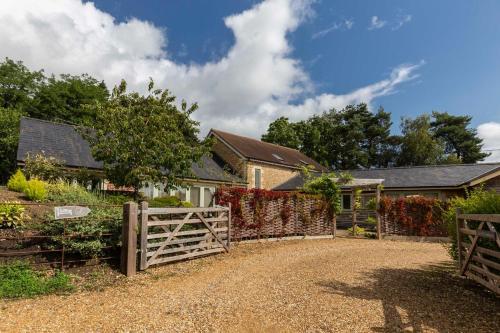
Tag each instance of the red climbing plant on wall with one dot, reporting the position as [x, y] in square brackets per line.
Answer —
[413, 216]
[264, 213]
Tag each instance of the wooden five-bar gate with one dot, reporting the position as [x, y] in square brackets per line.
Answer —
[478, 245]
[172, 234]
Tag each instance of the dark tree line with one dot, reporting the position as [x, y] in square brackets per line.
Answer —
[31, 93]
[354, 137]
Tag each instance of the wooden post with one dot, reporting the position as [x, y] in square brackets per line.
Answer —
[334, 225]
[353, 206]
[129, 239]
[377, 214]
[144, 235]
[229, 227]
[458, 223]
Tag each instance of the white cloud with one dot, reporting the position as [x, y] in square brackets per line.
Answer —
[490, 133]
[252, 84]
[345, 24]
[349, 23]
[376, 23]
[401, 20]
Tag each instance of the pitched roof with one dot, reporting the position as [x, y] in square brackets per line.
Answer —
[434, 176]
[65, 143]
[266, 152]
[57, 140]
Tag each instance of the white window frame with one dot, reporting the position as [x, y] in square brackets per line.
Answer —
[255, 178]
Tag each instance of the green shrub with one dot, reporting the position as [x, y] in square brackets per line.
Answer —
[371, 220]
[358, 231]
[12, 215]
[101, 228]
[19, 280]
[169, 201]
[67, 193]
[477, 201]
[372, 204]
[43, 167]
[17, 182]
[36, 190]
[101, 220]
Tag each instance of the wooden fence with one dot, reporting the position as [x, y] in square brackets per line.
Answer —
[172, 234]
[478, 244]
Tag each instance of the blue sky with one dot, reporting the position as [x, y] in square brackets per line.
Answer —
[247, 62]
[458, 40]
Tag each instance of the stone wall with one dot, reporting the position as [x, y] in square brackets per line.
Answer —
[271, 176]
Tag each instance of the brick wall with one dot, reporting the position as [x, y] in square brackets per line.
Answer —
[271, 176]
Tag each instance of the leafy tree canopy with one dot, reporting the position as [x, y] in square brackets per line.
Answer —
[459, 140]
[63, 99]
[18, 85]
[145, 138]
[283, 133]
[418, 145]
[345, 139]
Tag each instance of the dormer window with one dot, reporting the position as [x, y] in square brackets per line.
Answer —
[278, 157]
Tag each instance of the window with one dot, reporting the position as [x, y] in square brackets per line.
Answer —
[180, 193]
[346, 201]
[257, 178]
[208, 197]
[278, 157]
[194, 196]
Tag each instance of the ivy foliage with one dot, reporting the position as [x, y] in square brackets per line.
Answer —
[328, 186]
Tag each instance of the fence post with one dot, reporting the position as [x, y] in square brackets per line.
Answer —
[144, 235]
[129, 239]
[377, 214]
[229, 227]
[458, 223]
[334, 221]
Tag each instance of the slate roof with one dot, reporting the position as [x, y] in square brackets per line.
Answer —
[66, 144]
[266, 152]
[57, 140]
[434, 176]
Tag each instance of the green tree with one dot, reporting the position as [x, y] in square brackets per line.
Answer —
[9, 137]
[283, 133]
[460, 140]
[64, 99]
[18, 85]
[418, 144]
[145, 138]
[345, 139]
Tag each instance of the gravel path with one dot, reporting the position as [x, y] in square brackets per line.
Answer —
[343, 285]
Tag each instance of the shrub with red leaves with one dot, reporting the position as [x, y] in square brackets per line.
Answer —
[413, 216]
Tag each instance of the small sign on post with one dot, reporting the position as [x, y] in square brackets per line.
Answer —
[70, 212]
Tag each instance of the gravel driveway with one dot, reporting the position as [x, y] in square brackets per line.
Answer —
[342, 285]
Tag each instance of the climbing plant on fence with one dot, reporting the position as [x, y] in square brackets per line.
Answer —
[259, 213]
[413, 216]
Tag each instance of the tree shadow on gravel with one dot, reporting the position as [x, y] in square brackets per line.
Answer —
[431, 298]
